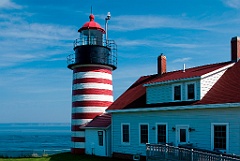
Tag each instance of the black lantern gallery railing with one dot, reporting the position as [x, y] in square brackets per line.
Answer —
[91, 50]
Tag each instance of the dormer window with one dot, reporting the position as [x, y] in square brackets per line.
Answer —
[190, 89]
[185, 91]
[177, 92]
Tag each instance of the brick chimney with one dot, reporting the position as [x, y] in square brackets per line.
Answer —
[235, 49]
[162, 64]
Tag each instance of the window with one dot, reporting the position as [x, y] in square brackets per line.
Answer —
[125, 133]
[144, 134]
[100, 138]
[177, 92]
[220, 136]
[161, 133]
[190, 91]
[183, 135]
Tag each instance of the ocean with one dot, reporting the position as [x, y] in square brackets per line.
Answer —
[34, 139]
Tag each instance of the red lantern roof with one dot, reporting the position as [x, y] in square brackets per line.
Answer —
[91, 25]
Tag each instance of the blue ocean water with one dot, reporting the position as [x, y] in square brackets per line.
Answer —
[26, 139]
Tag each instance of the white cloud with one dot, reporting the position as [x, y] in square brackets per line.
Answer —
[220, 23]
[232, 3]
[138, 22]
[154, 43]
[10, 59]
[17, 27]
[180, 45]
[26, 42]
[8, 4]
[181, 60]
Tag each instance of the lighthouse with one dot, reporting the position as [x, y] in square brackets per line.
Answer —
[94, 59]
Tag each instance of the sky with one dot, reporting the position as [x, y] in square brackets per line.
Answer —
[37, 36]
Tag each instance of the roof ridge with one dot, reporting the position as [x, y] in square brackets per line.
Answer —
[200, 66]
[188, 73]
[178, 70]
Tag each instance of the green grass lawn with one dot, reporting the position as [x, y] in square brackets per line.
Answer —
[63, 157]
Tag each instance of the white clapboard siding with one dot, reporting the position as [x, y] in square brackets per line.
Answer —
[199, 119]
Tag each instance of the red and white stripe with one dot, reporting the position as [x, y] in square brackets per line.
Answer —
[91, 95]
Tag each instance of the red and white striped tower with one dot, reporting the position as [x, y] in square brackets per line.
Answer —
[92, 65]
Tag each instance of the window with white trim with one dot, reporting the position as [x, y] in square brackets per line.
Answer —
[100, 138]
[143, 133]
[177, 92]
[125, 133]
[220, 136]
[190, 91]
[183, 135]
[161, 133]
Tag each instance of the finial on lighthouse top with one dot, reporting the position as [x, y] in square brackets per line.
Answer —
[91, 25]
[91, 17]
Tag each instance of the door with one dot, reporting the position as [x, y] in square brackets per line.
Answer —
[182, 134]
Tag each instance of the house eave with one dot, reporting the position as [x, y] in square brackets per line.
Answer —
[171, 81]
[171, 108]
[96, 127]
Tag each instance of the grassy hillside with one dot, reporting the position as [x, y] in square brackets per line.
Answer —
[63, 157]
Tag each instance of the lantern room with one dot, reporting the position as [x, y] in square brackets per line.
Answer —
[92, 47]
[91, 33]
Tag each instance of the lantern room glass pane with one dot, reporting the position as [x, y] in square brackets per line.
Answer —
[92, 37]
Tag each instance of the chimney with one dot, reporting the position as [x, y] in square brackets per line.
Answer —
[235, 49]
[162, 64]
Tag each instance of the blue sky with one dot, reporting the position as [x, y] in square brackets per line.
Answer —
[36, 37]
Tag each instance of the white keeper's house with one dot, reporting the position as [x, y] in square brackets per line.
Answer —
[198, 106]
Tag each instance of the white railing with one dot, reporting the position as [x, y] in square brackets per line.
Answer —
[167, 152]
